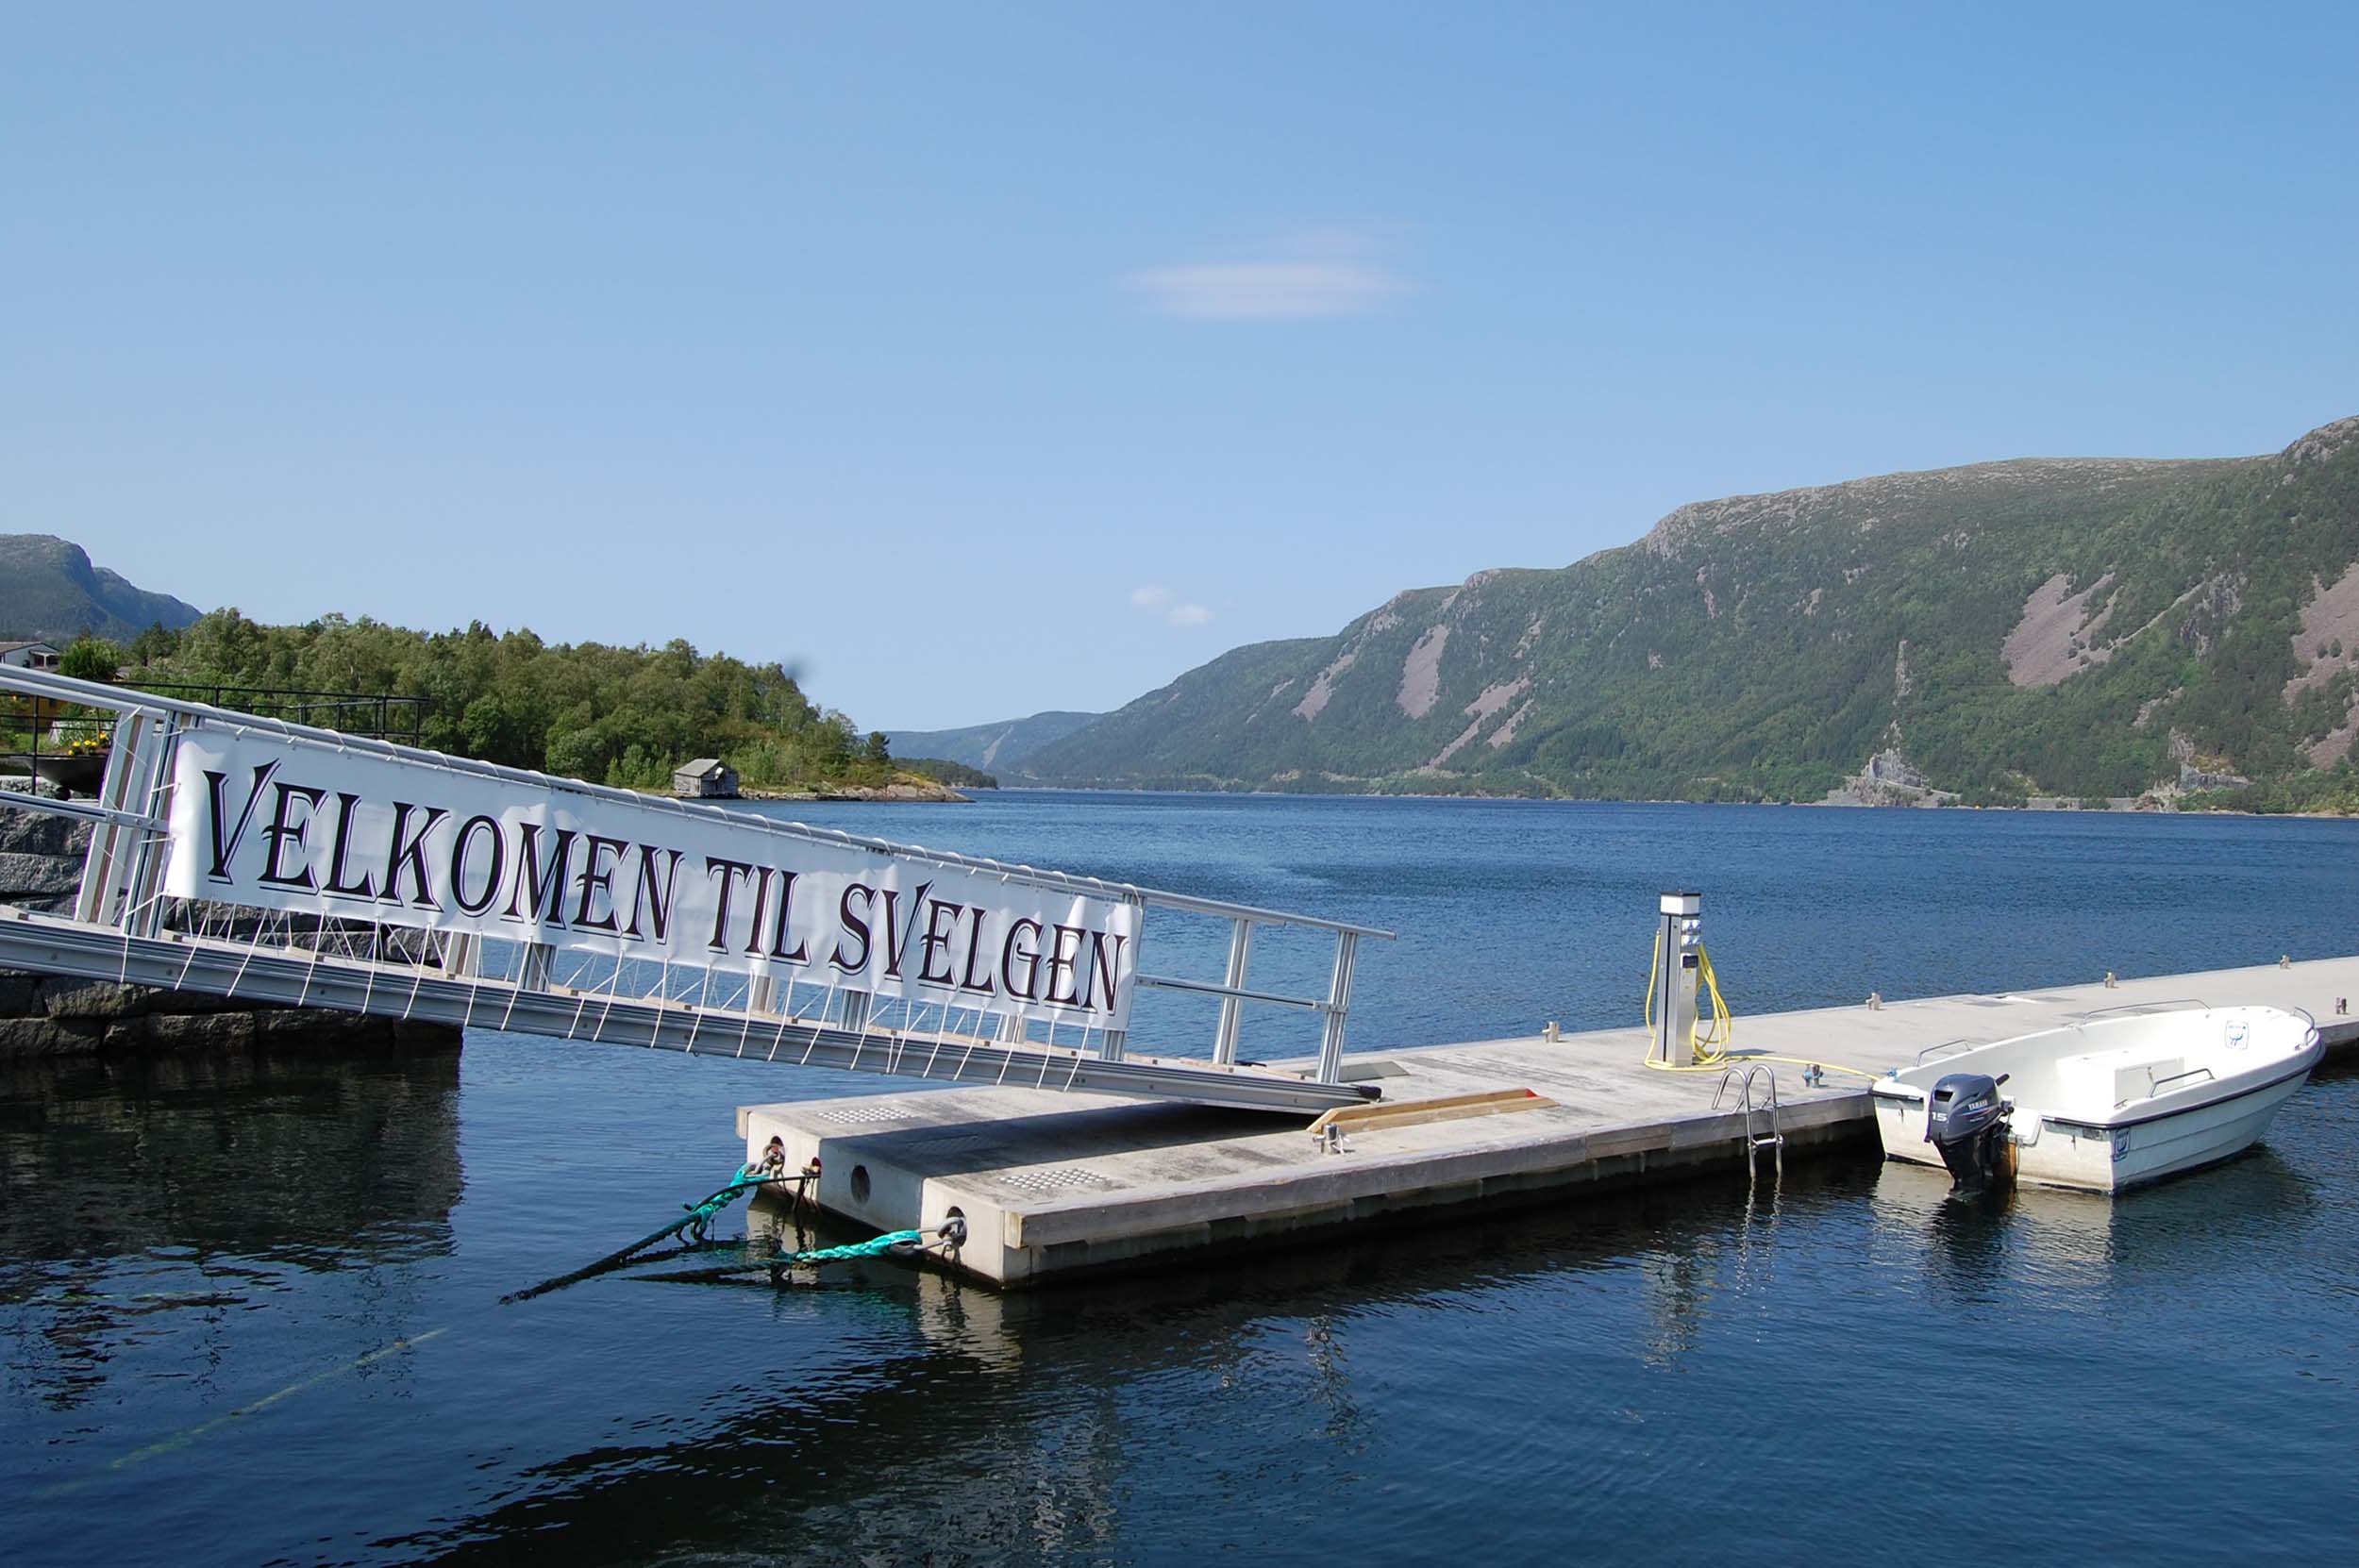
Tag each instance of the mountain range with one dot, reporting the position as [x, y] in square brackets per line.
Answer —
[49, 589]
[2068, 627]
[1004, 745]
[2117, 627]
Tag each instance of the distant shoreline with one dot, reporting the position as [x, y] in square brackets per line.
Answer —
[1596, 800]
[895, 795]
[885, 794]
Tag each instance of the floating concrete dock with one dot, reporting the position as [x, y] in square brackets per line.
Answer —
[1056, 1184]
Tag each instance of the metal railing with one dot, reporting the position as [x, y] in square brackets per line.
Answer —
[53, 742]
[127, 927]
[2164, 1005]
[1947, 1047]
[377, 714]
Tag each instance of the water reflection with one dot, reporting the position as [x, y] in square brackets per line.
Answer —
[886, 1416]
[153, 1198]
[996, 1422]
[2190, 1229]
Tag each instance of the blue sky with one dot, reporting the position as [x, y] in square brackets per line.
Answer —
[977, 361]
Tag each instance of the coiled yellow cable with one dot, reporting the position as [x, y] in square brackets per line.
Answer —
[1708, 1046]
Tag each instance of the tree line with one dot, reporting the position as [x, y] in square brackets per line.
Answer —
[626, 717]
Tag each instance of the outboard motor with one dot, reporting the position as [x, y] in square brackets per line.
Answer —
[1968, 1123]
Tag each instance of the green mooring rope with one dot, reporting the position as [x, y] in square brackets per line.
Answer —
[689, 1230]
[778, 1262]
[876, 1249]
[692, 1230]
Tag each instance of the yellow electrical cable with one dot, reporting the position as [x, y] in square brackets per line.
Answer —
[1707, 1048]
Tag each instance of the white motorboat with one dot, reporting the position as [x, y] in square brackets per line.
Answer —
[2103, 1104]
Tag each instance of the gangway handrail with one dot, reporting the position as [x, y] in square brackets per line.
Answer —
[88, 810]
[128, 700]
[1205, 988]
[122, 909]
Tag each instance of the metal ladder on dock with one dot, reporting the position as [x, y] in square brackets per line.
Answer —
[1756, 1140]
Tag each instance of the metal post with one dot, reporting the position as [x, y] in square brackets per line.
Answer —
[1113, 1042]
[107, 864]
[143, 911]
[1240, 950]
[462, 954]
[1675, 967]
[1338, 1005]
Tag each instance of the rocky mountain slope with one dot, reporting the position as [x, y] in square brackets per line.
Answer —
[49, 589]
[2089, 627]
[987, 746]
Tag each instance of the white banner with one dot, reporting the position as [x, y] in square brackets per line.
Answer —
[264, 821]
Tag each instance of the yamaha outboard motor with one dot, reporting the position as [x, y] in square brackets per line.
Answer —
[1967, 1123]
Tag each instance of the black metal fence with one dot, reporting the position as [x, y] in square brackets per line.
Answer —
[373, 714]
[65, 746]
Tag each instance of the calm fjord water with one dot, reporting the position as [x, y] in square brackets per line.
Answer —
[193, 1255]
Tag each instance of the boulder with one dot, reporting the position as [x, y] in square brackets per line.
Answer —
[26, 876]
[24, 832]
[63, 997]
[51, 1036]
[203, 1031]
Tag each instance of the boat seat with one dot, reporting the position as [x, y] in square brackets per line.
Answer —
[2112, 1078]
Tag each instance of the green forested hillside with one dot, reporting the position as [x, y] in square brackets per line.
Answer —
[617, 715]
[2067, 627]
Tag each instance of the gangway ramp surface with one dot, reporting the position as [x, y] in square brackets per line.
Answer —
[255, 859]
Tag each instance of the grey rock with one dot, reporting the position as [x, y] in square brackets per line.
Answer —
[128, 1034]
[312, 1029]
[211, 1031]
[24, 832]
[183, 1003]
[67, 998]
[28, 876]
[50, 1036]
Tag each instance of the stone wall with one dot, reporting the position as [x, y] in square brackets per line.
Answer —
[40, 866]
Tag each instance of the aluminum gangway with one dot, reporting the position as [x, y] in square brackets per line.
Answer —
[259, 859]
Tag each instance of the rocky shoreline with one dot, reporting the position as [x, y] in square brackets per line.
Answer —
[896, 793]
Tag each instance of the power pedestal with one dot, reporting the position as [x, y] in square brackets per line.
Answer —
[1678, 961]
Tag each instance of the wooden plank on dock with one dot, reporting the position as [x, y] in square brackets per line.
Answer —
[1448, 1107]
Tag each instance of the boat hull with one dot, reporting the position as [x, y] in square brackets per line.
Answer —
[2106, 1160]
[2139, 1142]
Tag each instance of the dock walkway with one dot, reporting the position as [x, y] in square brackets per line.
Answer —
[1052, 1183]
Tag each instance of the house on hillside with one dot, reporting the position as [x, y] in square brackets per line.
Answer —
[30, 656]
[705, 778]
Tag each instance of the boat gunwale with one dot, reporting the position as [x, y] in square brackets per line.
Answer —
[2305, 1063]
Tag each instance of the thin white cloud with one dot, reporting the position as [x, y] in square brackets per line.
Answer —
[1319, 273]
[1154, 599]
[1267, 291]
